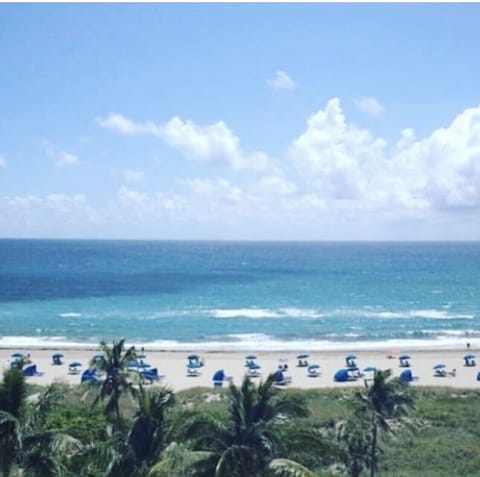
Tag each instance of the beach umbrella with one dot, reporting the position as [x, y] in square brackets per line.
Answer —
[404, 356]
[193, 356]
[17, 354]
[57, 355]
[75, 364]
[98, 357]
[314, 366]
[251, 356]
[303, 356]
[351, 356]
[467, 356]
[369, 369]
[254, 366]
[440, 366]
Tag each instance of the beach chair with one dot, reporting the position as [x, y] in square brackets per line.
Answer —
[302, 360]
[440, 373]
[280, 379]
[148, 376]
[74, 367]
[193, 370]
[313, 371]
[254, 371]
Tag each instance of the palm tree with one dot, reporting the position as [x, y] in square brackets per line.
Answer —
[248, 442]
[145, 440]
[385, 399]
[114, 364]
[39, 452]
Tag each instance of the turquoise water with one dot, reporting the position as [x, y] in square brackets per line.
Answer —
[239, 294]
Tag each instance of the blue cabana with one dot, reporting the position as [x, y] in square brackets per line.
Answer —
[469, 360]
[57, 358]
[406, 376]
[89, 375]
[31, 370]
[341, 376]
[218, 378]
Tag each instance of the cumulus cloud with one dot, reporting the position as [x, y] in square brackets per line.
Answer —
[133, 176]
[281, 81]
[215, 143]
[64, 158]
[3, 162]
[356, 170]
[370, 106]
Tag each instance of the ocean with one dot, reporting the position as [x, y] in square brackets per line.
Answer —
[239, 295]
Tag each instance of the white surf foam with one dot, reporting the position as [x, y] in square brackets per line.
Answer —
[70, 315]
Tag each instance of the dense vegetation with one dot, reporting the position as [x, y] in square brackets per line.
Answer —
[120, 427]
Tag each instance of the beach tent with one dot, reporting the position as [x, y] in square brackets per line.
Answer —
[478, 376]
[218, 378]
[406, 376]
[57, 358]
[341, 376]
[31, 370]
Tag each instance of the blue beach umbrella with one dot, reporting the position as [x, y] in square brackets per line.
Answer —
[17, 354]
[314, 366]
[219, 375]
[75, 364]
[193, 356]
[98, 357]
[254, 366]
[467, 356]
[251, 356]
[404, 356]
[57, 355]
[406, 375]
[440, 366]
[369, 369]
[351, 356]
[303, 356]
[193, 365]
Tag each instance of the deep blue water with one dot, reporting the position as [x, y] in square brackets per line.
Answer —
[239, 294]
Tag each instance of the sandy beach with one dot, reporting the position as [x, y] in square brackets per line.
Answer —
[172, 364]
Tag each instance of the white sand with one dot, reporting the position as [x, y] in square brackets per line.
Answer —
[173, 365]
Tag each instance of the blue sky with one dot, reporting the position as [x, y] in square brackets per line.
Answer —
[240, 121]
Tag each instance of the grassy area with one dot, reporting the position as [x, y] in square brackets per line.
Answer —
[443, 441]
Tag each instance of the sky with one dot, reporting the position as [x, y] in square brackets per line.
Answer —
[240, 121]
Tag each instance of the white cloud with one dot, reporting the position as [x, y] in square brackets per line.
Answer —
[214, 143]
[64, 158]
[133, 176]
[281, 81]
[275, 185]
[370, 106]
[3, 162]
[357, 171]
